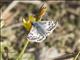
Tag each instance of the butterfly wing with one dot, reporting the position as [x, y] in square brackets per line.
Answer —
[46, 26]
[35, 35]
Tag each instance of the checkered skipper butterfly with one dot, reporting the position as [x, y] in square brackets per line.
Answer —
[40, 30]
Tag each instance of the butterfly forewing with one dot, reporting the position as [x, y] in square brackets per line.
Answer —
[46, 26]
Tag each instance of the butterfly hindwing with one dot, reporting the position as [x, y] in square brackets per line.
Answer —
[35, 35]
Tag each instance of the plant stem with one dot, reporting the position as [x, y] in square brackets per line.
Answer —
[22, 52]
[77, 56]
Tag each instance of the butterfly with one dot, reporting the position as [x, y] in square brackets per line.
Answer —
[40, 30]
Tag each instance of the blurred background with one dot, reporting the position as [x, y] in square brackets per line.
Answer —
[62, 44]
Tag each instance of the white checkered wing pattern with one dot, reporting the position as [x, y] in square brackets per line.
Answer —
[35, 35]
[40, 30]
[46, 26]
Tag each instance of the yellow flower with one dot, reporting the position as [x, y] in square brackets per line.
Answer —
[32, 19]
[27, 24]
